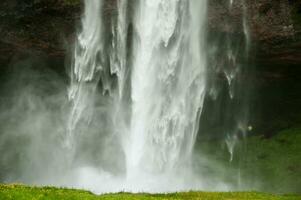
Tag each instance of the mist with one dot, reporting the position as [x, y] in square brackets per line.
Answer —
[146, 99]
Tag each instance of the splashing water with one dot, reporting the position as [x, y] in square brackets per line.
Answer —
[166, 82]
[233, 73]
[138, 78]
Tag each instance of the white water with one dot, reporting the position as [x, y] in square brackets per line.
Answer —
[168, 83]
[233, 73]
[119, 49]
[233, 70]
[167, 87]
[85, 72]
[138, 79]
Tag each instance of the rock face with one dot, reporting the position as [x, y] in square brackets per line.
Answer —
[48, 25]
[274, 26]
[36, 25]
[277, 27]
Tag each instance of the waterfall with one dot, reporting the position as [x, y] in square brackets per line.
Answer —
[168, 83]
[226, 113]
[118, 59]
[87, 64]
[156, 94]
[234, 70]
[233, 63]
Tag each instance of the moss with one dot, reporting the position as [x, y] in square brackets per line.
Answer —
[50, 193]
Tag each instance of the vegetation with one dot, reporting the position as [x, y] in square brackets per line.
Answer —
[264, 164]
[277, 159]
[21, 192]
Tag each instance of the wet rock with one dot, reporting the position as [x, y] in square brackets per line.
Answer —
[50, 25]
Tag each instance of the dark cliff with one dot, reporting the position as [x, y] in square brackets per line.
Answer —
[48, 25]
[48, 28]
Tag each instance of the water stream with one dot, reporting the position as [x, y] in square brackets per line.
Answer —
[167, 85]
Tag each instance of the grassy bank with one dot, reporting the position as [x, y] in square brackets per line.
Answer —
[261, 164]
[265, 164]
[16, 192]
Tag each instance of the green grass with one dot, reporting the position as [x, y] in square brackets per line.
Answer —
[277, 160]
[16, 192]
[266, 164]
[263, 164]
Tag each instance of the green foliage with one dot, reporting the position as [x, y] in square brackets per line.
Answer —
[19, 192]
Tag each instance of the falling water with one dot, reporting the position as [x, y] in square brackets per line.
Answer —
[237, 56]
[168, 82]
[232, 68]
[228, 60]
[118, 57]
[85, 72]
[235, 70]
[165, 82]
